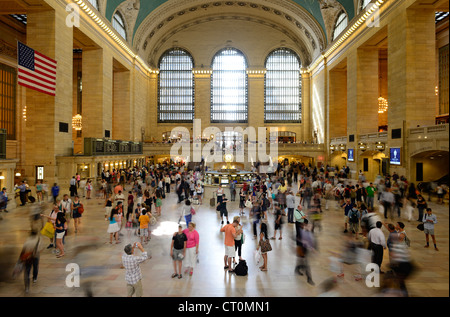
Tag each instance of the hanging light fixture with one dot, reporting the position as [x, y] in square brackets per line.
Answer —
[76, 122]
[382, 105]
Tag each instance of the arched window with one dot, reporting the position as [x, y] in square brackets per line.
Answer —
[94, 3]
[119, 24]
[283, 87]
[176, 87]
[363, 4]
[340, 25]
[229, 87]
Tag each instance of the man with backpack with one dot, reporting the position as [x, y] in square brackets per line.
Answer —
[353, 220]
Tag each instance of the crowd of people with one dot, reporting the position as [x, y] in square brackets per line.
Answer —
[134, 198]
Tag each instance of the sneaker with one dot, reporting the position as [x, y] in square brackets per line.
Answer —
[436, 249]
[221, 222]
[34, 280]
[50, 246]
[345, 231]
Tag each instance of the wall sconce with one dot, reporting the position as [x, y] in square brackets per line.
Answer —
[18, 174]
[362, 146]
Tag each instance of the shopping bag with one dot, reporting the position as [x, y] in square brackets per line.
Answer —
[48, 230]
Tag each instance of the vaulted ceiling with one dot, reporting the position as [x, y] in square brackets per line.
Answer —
[152, 23]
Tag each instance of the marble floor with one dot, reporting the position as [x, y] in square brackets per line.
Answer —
[102, 275]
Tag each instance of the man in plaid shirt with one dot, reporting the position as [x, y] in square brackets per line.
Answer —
[133, 274]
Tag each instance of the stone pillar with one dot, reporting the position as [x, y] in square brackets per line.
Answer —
[337, 103]
[256, 98]
[367, 91]
[151, 133]
[411, 76]
[202, 78]
[122, 115]
[97, 93]
[48, 34]
[306, 107]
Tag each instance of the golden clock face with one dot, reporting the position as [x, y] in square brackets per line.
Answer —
[228, 157]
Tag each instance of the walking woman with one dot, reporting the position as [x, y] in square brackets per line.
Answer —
[60, 229]
[192, 243]
[113, 228]
[158, 202]
[262, 237]
[76, 215]
[186, 212]
[238, 241]
[242, 197]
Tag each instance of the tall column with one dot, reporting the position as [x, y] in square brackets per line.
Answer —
[152, 131]
[202, 77]
[367, 91]
[256, 98]
[122, 115]
[97, 93]
[411, 76]
[306, 107]
[337, 101]
[48, 34]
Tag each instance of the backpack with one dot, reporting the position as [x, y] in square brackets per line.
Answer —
[353, 216]
[241, 269]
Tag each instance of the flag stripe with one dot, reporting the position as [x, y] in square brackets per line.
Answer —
[52, 93]
[37, 79]
[46, 57]
[43, 63]
[38, 74]
[25, 79]
[44, 70]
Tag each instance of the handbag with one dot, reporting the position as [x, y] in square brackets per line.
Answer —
[80, 209]
[257, 256]
[192, 211]
[48, 230]
[265, 245]
[248, 204]
[243, 238]
[421, 227]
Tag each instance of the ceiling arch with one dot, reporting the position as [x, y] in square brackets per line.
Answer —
[314, 8]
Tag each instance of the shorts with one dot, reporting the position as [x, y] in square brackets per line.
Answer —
[177, 255]
[230, 251]
[346, 219]
[143, 232]
[135, 289]
[60, 235]
[429, 231]
[223, 212]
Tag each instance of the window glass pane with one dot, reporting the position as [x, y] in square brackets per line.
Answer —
[282, 87]
[8, 100]
[229, 87]
[176, 87]
[94, 3]
[341, 24]
[119, 25]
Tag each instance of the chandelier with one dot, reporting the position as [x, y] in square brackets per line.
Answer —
[382, 105]
[76, 122]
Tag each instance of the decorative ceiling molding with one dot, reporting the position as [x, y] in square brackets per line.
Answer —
[129, 10]
[304, 52]
[282, 14]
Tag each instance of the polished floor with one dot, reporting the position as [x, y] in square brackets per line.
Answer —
[102, 275]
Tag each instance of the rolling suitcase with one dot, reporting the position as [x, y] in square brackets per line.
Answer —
[212, 202]
[31, 199]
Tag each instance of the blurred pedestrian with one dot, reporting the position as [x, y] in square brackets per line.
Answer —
[377, 242]
[429, 220]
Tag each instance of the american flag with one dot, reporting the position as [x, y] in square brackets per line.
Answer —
[36, 71]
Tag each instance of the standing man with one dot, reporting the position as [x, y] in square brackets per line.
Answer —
[230, 235]
[133, 274]
[377, 242]
[348, 206]
[429, 219]
[23, 193]
[370, 190]
[73, 187]
[290, 202]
